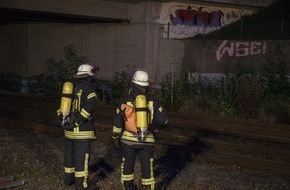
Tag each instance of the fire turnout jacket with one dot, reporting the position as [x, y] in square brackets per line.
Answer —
[157, 116]
[84, 108]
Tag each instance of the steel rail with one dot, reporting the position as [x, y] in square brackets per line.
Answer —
[260, 146]
[188, 148]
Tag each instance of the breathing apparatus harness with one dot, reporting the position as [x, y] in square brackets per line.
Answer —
[68, 107]
[137, 116]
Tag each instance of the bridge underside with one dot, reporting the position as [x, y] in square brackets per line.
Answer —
[65, 11]
[9, 16]
[86, 11]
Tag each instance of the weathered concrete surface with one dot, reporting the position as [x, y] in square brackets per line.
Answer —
[89, 8]
[108, 9]
[26, 48]
[256, 3]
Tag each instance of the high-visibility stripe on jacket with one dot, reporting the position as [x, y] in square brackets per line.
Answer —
[84, 106]
[157, 117]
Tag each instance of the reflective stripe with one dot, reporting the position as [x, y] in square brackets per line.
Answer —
[78, 102]
[132, 137]
[80, 135]
[124, 177]
[58, 112]
[151, 168]
[77, 129]
[166, 122]
[117, 129]
[69, 170]
[127, 177]
[86, 167]
[91, 95]
[147, 181]
[122, 165]
[80, 174]
[84, 173]
[151, 180]
[130, 104]
[151, 110]
[85, 114]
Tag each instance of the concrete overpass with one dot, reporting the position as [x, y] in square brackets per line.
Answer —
[90, 11]
[117, 33]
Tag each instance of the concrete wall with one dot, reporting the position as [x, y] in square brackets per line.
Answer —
[257, 3]
[84, 8]
[26, 48]
[13, 43]
[218, 56]
[108, 46]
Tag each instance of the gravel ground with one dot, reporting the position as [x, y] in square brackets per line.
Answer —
[38, 159]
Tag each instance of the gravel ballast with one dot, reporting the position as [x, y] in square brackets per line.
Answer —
[38, 160]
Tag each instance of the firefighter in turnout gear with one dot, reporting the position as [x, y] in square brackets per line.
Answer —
[137, 116]
[78, 125]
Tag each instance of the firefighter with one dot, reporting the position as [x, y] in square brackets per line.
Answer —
[79, 131]
[137, 116]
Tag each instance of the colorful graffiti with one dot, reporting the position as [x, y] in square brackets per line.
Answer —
[188, 20]
[240, 49]
[196, 17]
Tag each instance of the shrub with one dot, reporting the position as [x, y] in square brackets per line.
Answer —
[121, 82]
[64, 70]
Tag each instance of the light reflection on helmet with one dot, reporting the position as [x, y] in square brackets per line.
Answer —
[86, 70]
[141, 78]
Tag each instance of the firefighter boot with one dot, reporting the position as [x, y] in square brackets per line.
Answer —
[69, 179]
[129, 185]
[131, 188]
[146, 187]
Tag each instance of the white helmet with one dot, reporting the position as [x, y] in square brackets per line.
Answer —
[141, 78]
[86, 70]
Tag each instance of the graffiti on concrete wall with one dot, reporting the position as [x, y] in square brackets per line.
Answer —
[240, 48]
[196, 17]
[188, 20]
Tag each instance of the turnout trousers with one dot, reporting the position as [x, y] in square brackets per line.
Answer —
[76, 162]
[145, 154]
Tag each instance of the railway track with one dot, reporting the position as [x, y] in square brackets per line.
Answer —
[233, 142]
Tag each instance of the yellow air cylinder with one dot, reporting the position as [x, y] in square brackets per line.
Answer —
[141, 112]
[66, 99]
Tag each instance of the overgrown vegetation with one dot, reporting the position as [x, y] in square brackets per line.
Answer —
[247, 91]
[251, 91]
[64, 70]
[260, 92]
[121, 81]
